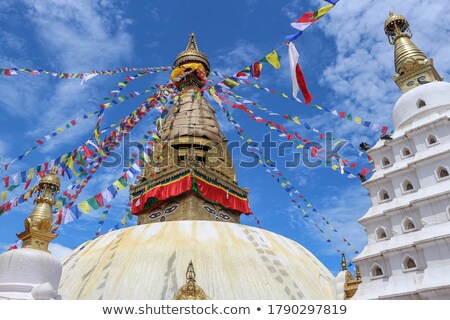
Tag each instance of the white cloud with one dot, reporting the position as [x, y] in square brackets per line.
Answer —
[59, 251]
[241, 55]
[81, 34]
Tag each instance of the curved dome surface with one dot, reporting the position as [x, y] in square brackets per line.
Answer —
[232, 261]
[435, 96]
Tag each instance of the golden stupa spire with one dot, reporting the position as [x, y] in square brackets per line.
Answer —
[412, 66]
[343, 262]
[192, 44]
[351, 284]
[39, 225]
[190, 291]
[192, 55]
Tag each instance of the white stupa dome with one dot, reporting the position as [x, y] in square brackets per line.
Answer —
[232, 261]
[433, 97]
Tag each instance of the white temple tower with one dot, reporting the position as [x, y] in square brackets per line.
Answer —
[408, 225]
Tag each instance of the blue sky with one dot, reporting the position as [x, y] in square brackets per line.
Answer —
[345, 57]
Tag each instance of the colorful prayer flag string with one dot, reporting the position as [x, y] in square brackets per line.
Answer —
[85, 75]
[287, 186]
[340, 114]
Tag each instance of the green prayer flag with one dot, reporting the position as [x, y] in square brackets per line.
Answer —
[93, 203]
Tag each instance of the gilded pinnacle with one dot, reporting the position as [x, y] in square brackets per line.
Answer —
[39, 225]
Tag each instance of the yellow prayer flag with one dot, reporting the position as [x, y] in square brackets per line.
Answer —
[273, 59]
[96, 135]
[4, 194]
[124, 220]
[84, 207]
[30, 173]
[296, 120]
[300, 146]
[71, 165]
[358, 120]
[324, 10]
[256, 86]
[59, 129]
[284, 95]
[283, 184]
[118, 185]
[121, 99]
[335, 167]
[309, 205]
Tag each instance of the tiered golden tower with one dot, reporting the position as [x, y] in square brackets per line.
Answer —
[191, 144]
[39, 225]
[412, 67]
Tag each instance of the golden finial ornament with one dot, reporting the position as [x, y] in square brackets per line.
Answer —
[351, 283]
[358, 273]
[343, 262]
[39, 225]
[192, 54]
[190, 291]
[412, 66]
[191, 67]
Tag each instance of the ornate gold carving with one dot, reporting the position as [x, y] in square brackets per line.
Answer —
[412, 66]
[192, 54]
[38, 225]
[351, 284]
[190, 291]
[191, 139]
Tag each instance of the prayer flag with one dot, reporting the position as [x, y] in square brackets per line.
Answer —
[309, 18]
[255, 69]
[93, 203]
[273, 59]
[298, 80]
[84, 207]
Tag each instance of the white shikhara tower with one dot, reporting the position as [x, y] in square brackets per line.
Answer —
[408, 225]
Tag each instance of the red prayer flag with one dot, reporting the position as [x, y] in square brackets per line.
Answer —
[99, 199]
[27, 184]
[302, 84]
[6, 179]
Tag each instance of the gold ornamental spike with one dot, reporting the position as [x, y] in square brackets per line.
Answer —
[343, 262]
[192, 44]
[39, 225]
[192, 54]
[412, 66]
[190, 291]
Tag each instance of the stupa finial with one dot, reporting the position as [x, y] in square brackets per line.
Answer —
[412, 66]
[190, 291]
[39, 225]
